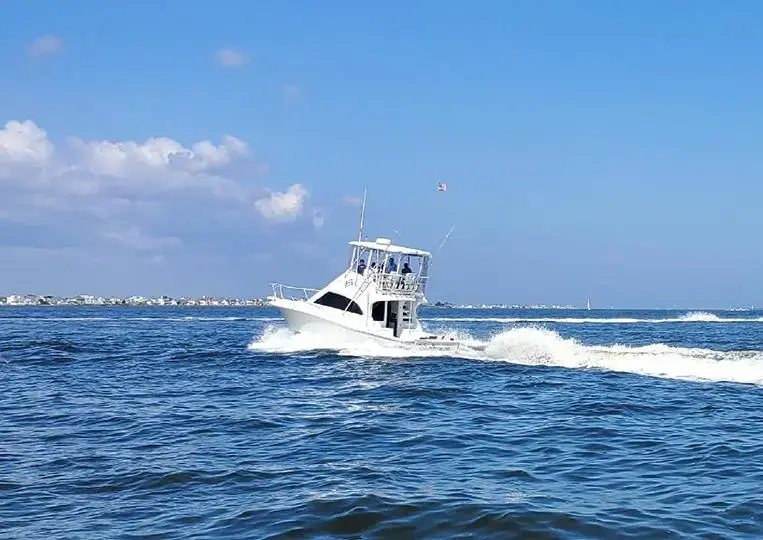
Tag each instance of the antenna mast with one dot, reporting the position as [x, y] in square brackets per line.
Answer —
[445, 239]
[362, 215]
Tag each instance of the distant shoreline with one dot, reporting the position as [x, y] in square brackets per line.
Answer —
[85, 300]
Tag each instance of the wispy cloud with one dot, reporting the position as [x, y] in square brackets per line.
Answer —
[135, 238]
[319, 218]
[232, 58]
[352, 200]
[292, 92]
[44, 46]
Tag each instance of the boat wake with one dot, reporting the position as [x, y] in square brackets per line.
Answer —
[691, 317]
[544, 347]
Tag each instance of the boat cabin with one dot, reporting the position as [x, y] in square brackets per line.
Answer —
[381, 289]
[389, 283]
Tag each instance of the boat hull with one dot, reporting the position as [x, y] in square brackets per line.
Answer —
[298, 320]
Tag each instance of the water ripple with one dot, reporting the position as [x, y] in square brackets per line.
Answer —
[161, 423]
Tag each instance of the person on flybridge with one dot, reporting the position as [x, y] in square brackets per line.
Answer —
[391, 266]
[361, 266]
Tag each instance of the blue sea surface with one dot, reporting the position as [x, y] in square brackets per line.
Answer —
[217, 423]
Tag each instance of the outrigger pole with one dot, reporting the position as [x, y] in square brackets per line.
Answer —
[362, 215]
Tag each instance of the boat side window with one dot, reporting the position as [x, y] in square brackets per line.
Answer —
[337, 301]
[377, 311]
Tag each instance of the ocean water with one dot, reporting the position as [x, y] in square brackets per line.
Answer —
[217, 423]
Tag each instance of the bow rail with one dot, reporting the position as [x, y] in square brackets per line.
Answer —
[289, 292]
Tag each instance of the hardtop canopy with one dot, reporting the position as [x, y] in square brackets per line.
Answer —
[385, 245]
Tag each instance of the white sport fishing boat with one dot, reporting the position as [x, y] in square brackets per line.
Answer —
[376, 298]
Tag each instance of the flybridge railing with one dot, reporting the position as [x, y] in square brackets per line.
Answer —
[401, 283]
[287, 292]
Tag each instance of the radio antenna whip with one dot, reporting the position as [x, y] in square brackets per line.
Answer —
[362, 215]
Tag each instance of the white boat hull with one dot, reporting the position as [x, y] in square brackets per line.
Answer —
[300, 320]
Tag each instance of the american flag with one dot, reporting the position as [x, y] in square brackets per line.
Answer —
[442, 187]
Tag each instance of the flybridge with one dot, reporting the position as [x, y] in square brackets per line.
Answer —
[392, 268]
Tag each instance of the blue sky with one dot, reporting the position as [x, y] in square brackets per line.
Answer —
[593, 149]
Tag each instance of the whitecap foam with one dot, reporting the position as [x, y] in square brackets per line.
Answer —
[540, 346]
[702, 316]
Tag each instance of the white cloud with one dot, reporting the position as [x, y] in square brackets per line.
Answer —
[231, 58]
[145, 196]
[44, 46]
[122, 168]
[283, 206]
[160, 153]
[24, 142]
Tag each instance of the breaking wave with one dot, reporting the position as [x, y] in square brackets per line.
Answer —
[692, 316]
[544, 347]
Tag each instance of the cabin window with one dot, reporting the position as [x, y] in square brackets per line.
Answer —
[337, 301]
[377, 311]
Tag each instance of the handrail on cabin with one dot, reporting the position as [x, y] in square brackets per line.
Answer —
[278, 291]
